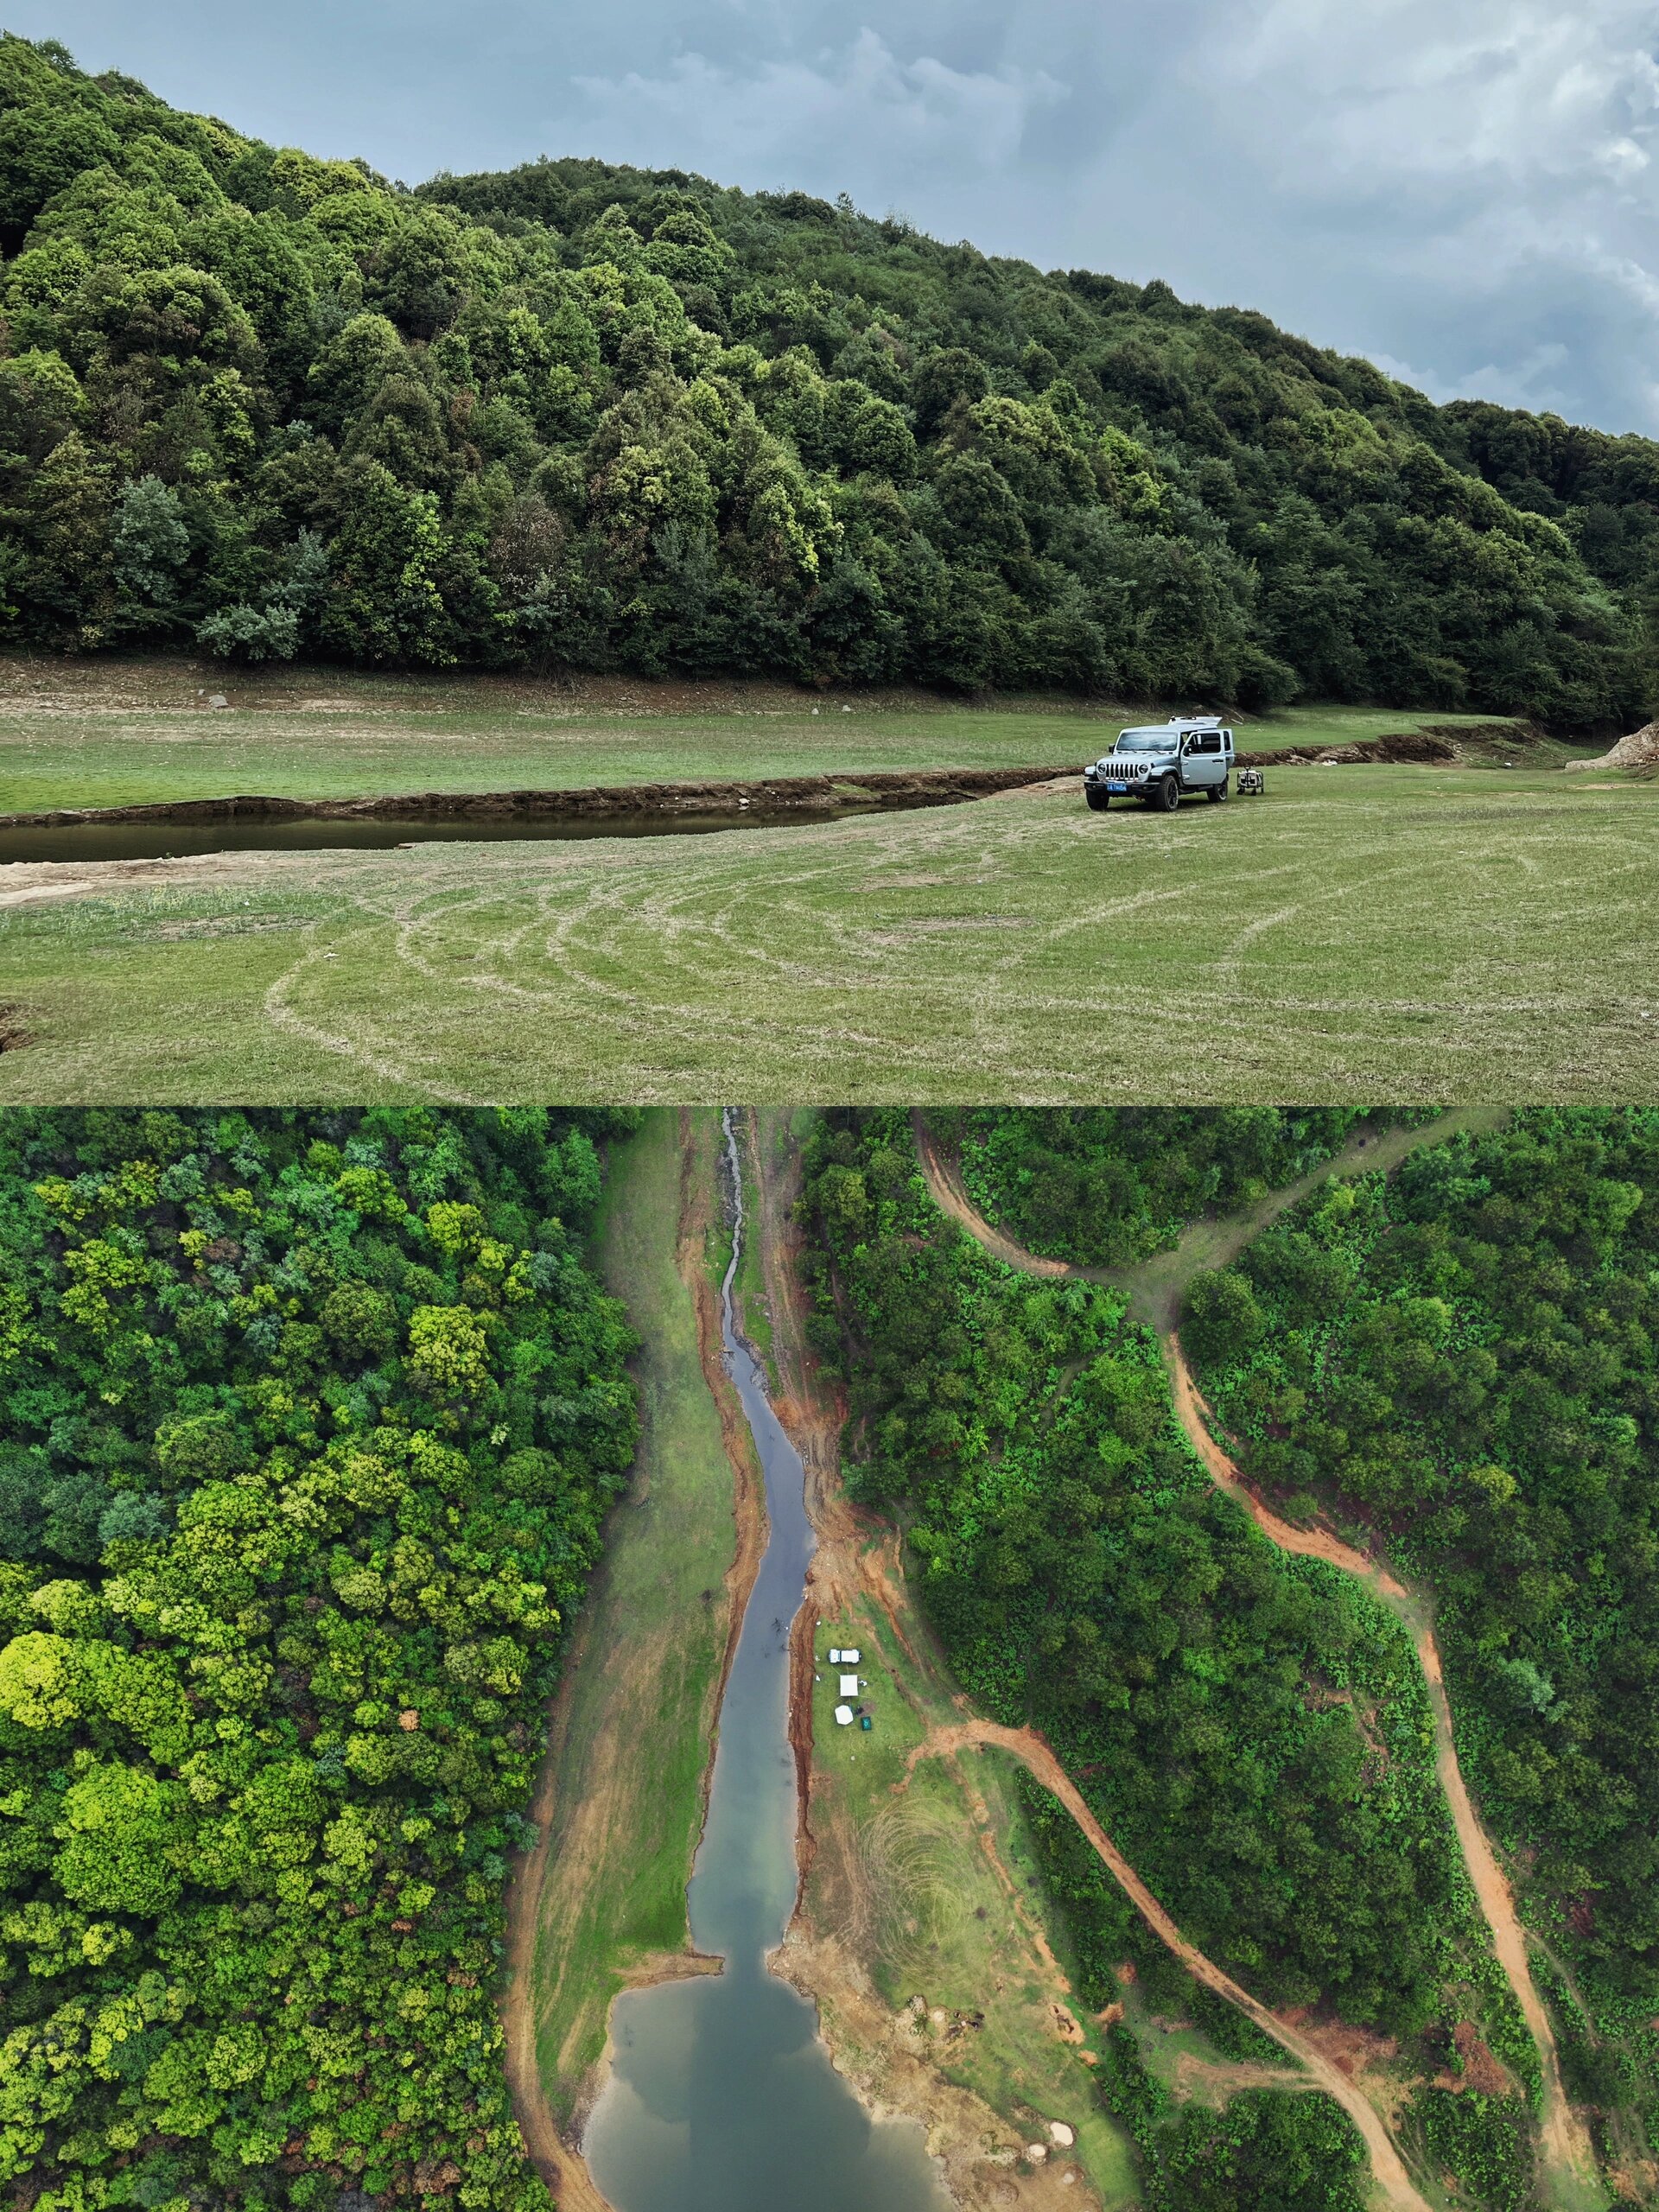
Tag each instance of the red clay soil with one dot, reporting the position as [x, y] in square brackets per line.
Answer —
[1563, 2141]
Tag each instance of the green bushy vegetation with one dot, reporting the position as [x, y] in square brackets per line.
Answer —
[1102, 1185]
[1462, 1357]
[1250, 1729]
[580, 415]
[1293, 2150]
[1481, 2140]
[307, 1424]
[1286, 2148]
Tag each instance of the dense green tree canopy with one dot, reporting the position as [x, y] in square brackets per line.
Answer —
[306, 1423]
[1248, 1729]
[578, 415]
[1464, 1356]
[1251, 1729]
[1461, 1360]
[1105, 1185]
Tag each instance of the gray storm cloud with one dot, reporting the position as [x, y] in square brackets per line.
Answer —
[1463, 189]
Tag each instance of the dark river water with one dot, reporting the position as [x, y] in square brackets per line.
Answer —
[720, 2097]
[152, 841]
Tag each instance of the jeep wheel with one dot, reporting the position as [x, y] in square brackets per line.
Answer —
[1099, 801]
[1168, 797]
[1217, 793]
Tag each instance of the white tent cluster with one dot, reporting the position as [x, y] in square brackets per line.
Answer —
[848, 1686]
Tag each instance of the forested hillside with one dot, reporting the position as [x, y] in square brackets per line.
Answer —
[1464, 1358]
[1251, 1731]
[584, 417]
[1103, 1184]
[306, 1423]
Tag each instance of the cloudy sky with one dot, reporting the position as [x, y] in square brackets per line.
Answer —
[1466, 190]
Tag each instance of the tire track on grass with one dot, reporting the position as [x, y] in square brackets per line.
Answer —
[282, 1016]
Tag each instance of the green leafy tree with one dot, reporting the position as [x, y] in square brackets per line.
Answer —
[1053, 481]
[279, 1611]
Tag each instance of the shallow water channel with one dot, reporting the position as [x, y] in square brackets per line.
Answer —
[83, 842]
[720, 2097]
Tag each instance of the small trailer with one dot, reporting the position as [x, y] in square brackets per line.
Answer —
[1250, 783]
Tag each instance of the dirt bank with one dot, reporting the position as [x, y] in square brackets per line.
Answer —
[1441, 745]
[806, 795]
[1640, 750]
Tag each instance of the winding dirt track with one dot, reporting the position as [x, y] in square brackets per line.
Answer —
[1027, 1747]
[1564, 2145]
[849, 1564]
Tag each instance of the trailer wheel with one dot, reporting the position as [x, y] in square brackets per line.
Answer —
[1217, 793]
[1098, 801]
[1168, 797]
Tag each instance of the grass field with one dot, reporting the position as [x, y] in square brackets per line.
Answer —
[948, 1908]
[622, 1831]
[1402, 933]
[355, 737]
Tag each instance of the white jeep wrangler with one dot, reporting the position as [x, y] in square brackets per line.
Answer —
[1160, 762]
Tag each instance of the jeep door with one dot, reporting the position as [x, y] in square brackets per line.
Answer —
[1206, 763]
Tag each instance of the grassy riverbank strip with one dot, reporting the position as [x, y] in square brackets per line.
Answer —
[934, 1867]
[126, 734]
[606, 1892]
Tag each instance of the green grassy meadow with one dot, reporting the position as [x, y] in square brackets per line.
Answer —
[949, 1896]
[365, 742]
[622, 1833]
[1407, 933]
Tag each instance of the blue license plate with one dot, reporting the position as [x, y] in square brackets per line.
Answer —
[1118, 787]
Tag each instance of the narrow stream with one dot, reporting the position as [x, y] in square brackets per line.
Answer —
[82, 842]
[720, 2097]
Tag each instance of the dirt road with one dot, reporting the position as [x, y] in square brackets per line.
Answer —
[1026, 1746]
[856, 1560]
[1155, 1286]
[1566, 2156]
